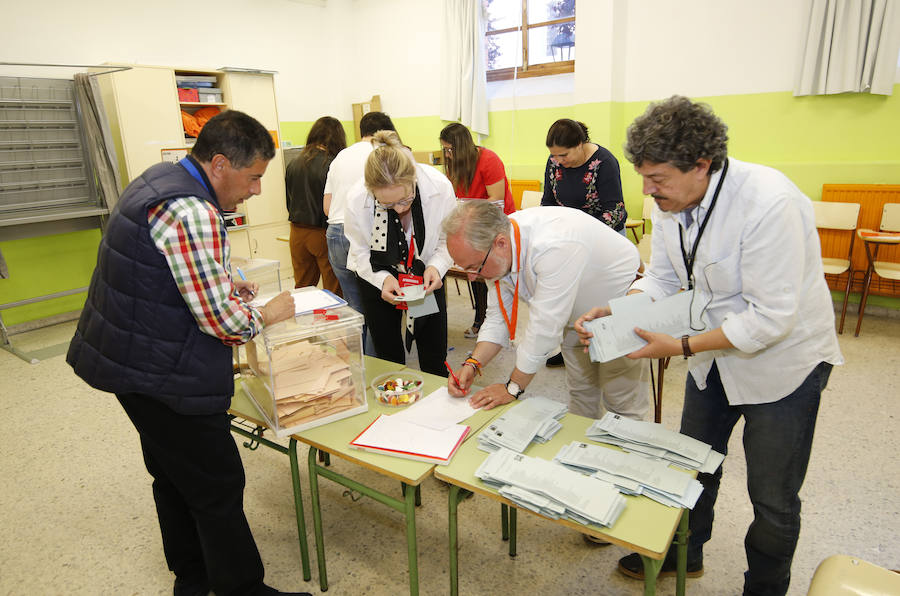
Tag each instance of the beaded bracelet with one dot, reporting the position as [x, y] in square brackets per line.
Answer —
[474, 363]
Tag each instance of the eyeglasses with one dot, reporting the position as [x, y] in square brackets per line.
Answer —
[403, 203]
[480, 267]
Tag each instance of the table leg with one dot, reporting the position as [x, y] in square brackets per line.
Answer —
[298, 508]
[651, 571]
[504, 521]
[317, 517]
[512, 531]
[868, 280]
[681, 541]
[412, 553]
[454, 540]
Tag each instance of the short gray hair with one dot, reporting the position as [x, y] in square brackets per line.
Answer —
[479, 221]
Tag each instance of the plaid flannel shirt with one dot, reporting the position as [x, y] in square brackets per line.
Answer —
[191, 234]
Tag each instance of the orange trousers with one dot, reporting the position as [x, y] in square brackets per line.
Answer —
[309, 256]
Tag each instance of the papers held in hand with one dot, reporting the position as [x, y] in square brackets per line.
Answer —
[614, 335]
[411, 293]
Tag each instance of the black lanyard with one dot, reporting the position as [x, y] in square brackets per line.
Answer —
[689, 260]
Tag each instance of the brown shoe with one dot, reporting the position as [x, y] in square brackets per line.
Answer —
[632, 566]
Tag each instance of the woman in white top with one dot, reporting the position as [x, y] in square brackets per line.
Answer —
[393, 221]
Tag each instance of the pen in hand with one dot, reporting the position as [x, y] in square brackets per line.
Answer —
[243, 277]
[453, 376]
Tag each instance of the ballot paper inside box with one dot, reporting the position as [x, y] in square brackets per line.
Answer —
[307, 371]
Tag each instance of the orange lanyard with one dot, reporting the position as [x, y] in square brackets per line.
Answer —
[511, 324]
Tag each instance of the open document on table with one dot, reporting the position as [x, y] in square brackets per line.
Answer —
[306, 300]
[389, 435]
[614, 335]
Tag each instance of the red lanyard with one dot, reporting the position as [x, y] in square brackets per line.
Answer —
[412, 252]
[511, 324]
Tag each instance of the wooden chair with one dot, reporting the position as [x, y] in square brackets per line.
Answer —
[890, 224]
[531, 198]
[634, 224]
[842, 217]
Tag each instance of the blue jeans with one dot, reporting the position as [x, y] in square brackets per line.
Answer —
[338, 247]
[777, 443]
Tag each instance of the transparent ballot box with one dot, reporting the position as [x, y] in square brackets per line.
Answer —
[264, 272]
[307, 371]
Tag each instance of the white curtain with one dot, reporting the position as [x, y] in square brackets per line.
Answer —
[463, 82]
[851, 46]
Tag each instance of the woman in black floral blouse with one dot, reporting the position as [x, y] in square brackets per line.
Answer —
[583, 175]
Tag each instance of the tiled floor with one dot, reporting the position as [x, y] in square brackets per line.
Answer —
[78, 516]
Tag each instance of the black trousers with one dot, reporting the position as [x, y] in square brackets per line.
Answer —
[385, 323]
[198, 486]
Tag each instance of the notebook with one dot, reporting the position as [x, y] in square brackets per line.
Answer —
[396, 437]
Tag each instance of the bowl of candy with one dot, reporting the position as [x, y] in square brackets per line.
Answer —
[398, 388]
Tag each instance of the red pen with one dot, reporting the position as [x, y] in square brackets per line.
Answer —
[450, 370]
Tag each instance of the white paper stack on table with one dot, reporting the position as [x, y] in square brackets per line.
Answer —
[532, 419]
[633, 473]
[614, 335]
[655, 440]
[551, 489]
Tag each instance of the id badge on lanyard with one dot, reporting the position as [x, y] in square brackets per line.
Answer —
[408, 279]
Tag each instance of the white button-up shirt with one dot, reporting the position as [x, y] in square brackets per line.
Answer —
[568, 262]
[438, 200]
[345, 171]
[758, 272]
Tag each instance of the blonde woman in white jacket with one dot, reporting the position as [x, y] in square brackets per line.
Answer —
[393, 221]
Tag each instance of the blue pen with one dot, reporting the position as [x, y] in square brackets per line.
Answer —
[241, 273]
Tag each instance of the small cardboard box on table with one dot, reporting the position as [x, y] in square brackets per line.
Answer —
[307, 371]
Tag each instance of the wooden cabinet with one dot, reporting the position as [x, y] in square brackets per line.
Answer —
[264, 244]
[144, 110]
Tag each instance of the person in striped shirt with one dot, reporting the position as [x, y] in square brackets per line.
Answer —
[156, 330]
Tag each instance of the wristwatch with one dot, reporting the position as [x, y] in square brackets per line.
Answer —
[513, 389]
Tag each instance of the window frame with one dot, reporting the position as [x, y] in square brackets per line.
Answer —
[533, 70]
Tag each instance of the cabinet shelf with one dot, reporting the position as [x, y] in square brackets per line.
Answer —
[201, 104]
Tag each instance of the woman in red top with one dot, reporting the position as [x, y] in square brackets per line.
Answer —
[476, 173]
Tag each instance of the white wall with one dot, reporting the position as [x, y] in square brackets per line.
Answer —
[290, 37]
[711, 47]
[331, 53]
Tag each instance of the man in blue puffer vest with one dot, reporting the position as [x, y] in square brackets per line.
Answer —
[157, 328]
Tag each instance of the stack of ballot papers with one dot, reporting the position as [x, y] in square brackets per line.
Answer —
[655, 440]
[614, 336]
[532, 419]
[632, 473]
[550, 489]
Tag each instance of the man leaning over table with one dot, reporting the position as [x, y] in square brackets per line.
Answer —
[742, 237]
[558, 261]
[157, 329]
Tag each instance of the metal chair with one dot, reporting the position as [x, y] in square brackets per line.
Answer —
[842, 575]
[531, 198]
[890, 223]
[841, 217]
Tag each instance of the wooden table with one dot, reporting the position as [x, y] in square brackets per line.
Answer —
[645, 526]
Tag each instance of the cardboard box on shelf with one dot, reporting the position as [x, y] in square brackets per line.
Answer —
[363, 108]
